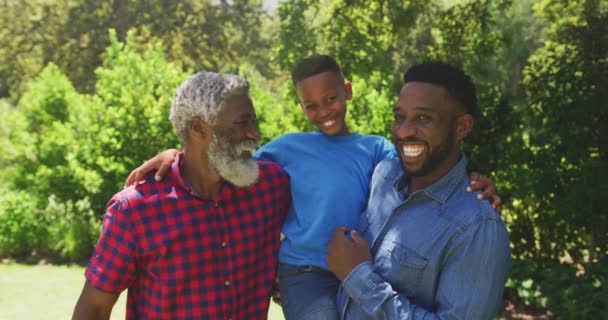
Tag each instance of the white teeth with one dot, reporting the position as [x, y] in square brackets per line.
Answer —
[329, 123]
[412, 150]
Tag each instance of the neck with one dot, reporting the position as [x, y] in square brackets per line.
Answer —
[419, 182]
[197, 173]
[345, 131]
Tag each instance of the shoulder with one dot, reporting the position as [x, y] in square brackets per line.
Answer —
[386, 174]
[270, 170]
[380, 146]
[388, 168]
[373, 139]
[141, 193]
[464, 209]
[292, 138]
[278, 145]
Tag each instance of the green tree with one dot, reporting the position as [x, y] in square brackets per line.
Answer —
[214, 35]
[567, 125]
[71, 152]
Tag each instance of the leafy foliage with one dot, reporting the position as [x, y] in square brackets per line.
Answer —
[83, 106]
[215, 35]
[72, 149]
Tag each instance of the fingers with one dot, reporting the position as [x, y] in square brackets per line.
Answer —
[338, 234]
[163, 169]
[478, 182]
[276, 293]
[487, 188]
[130, 179]
[340, 231]
[135, 175]
[358, 239]
[474, 176]
[496, 202]
[487, 193]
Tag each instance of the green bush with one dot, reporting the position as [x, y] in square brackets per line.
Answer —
[72, 227]
[70, 152]
[22, 225]
[571, 292]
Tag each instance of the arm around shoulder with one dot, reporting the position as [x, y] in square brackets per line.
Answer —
[94, 304]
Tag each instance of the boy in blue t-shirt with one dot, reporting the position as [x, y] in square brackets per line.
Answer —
[329, 170]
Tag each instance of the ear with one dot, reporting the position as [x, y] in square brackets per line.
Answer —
[349, 90]
[199, 128]
[464, 125]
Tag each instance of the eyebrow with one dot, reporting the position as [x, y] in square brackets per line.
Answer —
[418, 108]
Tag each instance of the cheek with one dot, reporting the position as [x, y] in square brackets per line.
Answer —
[341, 106]
[310, 115]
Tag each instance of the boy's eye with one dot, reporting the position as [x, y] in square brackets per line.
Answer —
[331, 99]
[423, 118]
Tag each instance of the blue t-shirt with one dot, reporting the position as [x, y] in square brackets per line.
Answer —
[330, 178]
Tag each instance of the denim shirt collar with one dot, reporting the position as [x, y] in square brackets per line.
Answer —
[441, 189]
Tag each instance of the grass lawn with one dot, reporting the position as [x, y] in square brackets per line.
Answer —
[50, 292]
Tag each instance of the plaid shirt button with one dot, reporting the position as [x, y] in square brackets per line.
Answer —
[227, 283]
[223, 244]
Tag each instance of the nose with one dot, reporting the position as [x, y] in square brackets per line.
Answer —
[323, 111]
[253, 133]
[405, 129]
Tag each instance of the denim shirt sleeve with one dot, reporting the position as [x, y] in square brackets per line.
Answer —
[470, 287]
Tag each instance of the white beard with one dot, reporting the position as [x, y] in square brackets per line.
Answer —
[225, 158]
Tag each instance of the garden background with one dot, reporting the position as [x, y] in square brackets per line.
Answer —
[86, 85]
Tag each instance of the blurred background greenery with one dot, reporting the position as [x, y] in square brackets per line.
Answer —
[85, 89]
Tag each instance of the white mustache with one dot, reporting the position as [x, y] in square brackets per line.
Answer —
[246, 146]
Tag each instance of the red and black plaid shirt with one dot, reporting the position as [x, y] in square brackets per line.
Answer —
[186, 257]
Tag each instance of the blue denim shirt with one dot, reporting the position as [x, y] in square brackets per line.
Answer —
[438, 253]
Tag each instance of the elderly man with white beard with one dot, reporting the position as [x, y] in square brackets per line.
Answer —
[203, 242]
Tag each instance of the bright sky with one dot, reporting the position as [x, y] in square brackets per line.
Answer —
[270, 5]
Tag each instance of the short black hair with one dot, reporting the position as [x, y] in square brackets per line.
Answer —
[313, 65]
[458, 84]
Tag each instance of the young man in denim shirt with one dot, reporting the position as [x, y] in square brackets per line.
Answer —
[426, 248]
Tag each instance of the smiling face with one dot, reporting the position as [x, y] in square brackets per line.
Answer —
[234, 138]
[323, 98]
[427, 130]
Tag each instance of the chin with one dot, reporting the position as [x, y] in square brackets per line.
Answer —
[242, 173]
[413, 170]
[335, 131]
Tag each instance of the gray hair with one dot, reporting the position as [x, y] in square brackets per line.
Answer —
[203, 95]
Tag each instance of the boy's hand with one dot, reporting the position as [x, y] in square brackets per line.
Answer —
[488, 190]
[275, 295]
[161, 161]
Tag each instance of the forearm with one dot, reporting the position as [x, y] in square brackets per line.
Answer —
[469, 286]
[90, 312]
[94, 304]
[377, 299]
[455, 299]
